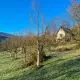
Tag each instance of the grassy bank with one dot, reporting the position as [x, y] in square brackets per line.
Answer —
[63, 66]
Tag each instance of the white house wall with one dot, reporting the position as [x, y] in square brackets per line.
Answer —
[62, 32]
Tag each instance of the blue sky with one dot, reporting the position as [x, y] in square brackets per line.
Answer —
[15, 14]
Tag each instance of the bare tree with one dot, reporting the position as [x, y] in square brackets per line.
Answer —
[36, 19]
[65, 24]
[74, 10]
[13, 46]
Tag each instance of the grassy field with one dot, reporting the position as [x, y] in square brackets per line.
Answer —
[61, 66]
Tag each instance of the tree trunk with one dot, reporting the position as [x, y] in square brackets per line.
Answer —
[38, 55]
[38, 59]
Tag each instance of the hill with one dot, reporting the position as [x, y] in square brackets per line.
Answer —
[61, 66]
[4, 35]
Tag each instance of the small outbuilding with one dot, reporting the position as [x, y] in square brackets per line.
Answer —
[64, 34]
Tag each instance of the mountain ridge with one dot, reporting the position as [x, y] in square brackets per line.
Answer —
[4, 35]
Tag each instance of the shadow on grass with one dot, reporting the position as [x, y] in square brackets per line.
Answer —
[50, 56]
[66, 70]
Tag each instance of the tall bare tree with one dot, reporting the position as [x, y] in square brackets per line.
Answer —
[36, 18]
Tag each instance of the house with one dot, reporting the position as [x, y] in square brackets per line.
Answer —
[64, 34]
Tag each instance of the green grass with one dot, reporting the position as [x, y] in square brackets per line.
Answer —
[63, 66]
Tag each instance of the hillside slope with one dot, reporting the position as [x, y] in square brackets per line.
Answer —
[4, 35]
[63, 66]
